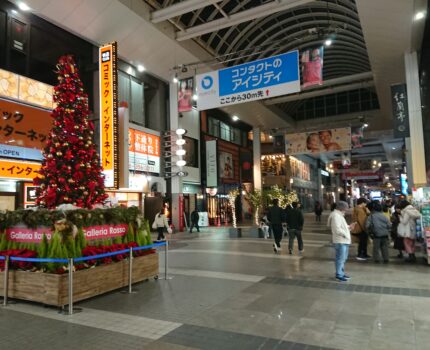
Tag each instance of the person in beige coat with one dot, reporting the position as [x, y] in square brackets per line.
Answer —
[359, 216]
[408, 228]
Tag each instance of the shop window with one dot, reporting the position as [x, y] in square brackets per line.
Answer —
[213, 126]
[131, 91]
[225, 131]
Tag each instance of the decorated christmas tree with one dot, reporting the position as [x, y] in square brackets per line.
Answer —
[71, 171]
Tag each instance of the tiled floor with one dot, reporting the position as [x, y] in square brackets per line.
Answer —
[237, 294]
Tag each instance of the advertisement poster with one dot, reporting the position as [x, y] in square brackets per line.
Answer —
[329, 140]
[143, 151]
[185, 95]
[357, 137]
[312, 66]
[257, 80]
[226, 165]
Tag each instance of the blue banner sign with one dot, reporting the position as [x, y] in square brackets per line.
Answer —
[265, 78]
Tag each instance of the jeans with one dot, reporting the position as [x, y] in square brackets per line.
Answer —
[160, 231]
[342, 250]
[380, 244]
[362, 244]
[292, 234]
[277, 233]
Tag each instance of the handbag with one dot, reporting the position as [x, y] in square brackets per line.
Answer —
[154, 224]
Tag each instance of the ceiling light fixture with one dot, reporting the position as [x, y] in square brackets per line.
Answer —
[393, 148]
[235, 118]
[180, 152]
[175, 79]
[195, 97]
[181, 162]
[419, 15]
[140, 68]
[180, 131]
[180, 142]
[365, 125]
[328, 42]
[23, 6]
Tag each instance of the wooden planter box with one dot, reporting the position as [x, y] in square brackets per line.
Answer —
[52, 289]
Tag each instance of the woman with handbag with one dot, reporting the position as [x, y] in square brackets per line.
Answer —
[160, 223]
[359, 216]
[407, 228]
[378, 226]
[398, 241]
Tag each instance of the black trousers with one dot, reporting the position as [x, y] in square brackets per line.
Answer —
[196, 225]
[293, 233]
[277, 233]
[362, 244]
[160, 231]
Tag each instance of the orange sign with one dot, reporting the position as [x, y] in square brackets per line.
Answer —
[109, 114]
[18, 170]
[141, 142]
[23, 126]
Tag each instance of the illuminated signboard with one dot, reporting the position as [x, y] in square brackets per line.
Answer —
[144, 151]
[109, 114]
[23, 130]
[18, 170]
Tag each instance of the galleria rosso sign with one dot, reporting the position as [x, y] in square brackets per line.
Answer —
[27, 235]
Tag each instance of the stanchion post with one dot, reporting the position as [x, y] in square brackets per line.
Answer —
[71, 286]
[166, 259]
[130, 271]
[6, 280]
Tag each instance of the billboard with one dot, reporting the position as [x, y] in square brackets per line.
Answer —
[265, 78]
[143, 151]
[109, 114]
[315, 142]
[185, 95]
[312, 66]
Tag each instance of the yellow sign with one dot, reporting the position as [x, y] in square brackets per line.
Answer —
[18, 170]
[109, 114]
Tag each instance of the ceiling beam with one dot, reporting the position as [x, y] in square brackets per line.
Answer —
[328, 87]
[179, 9]
[240, 17]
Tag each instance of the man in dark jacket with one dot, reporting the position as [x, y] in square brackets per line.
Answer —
[194, 220]
[295, 222]
[276, 217]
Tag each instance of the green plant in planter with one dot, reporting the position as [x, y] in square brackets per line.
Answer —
[56, 250]
[148, 233]
[80, 242]
[3, 241]
[42, 249]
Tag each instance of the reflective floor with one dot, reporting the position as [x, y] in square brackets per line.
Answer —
[235, 293]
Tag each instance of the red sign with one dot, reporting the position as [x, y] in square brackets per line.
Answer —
[28, 235]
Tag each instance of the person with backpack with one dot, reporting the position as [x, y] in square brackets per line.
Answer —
[195, 221]
[359, 216]
[378, 227]
[160, 223]
[295, 221]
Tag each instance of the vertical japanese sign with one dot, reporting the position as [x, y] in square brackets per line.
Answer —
[211, 164]
[312, 66]
[399, 99]
[109, 114]
[265, 78]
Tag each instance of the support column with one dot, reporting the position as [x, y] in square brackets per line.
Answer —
[416, 150]
[256, 149]
[176, 181]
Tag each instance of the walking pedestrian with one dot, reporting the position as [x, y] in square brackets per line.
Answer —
[359, 216]
[318, 211]
[276, 217]
[341, 239]
[295, 222]
[160, 223]
[407, 228]
[398, 241]
[378, 226]
[195, 220]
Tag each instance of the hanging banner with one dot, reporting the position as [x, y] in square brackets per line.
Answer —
[357, 136]
[257, 80]
[312, 66]
[109, 114]
[211, 164]
[185, 95]
[399, 100]
[322, 141]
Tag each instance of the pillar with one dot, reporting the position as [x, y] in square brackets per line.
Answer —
[256, 149]
[176, 181]
[418, 171]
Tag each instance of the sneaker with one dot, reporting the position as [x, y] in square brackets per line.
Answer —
[361, 258]
[341, 279]
[275, 248]
[290, 251]
[347, 277]
[367, 256]
[301, 252]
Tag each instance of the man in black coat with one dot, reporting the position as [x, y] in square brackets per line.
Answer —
[295, 221]
[276, 217]
[194, 221]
